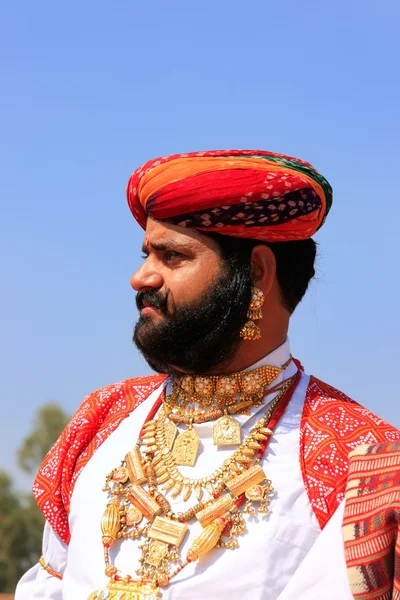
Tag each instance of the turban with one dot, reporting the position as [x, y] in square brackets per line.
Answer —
[242, 193]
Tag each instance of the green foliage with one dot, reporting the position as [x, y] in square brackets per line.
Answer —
[21, 522]
[49, 422]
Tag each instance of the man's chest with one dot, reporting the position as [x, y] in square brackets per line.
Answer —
[270, 550]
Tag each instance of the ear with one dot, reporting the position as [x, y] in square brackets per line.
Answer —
[263, 268]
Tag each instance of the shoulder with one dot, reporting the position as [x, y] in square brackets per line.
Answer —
[345, 418]
[113, 390]
[108, 406]
[332, 426]
[117, 398]
[137, 388]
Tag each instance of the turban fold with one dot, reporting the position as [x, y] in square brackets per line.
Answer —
[242, 193]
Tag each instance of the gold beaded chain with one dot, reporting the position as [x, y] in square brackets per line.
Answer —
[197, 415]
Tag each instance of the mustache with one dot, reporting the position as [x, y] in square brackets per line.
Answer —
[156, 298]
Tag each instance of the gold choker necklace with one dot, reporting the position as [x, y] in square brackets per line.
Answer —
[224, 390]
[197, 399]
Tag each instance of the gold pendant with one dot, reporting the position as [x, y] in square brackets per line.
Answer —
[122, 590]
[186, 448]
[226, 432]
[145, 503]
[255, 493]
[134, 467]
[261, 494]
[157, 551]
[170, 431]
[246, 480]
[167, 531]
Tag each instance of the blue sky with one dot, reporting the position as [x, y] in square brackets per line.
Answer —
[90, 90]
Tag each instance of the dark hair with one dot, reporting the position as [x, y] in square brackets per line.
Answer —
[294, 262]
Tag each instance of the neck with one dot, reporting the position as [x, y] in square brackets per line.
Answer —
[248, 355]
[251, 351]
[274, 329]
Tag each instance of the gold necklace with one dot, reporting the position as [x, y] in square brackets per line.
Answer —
[231, 394]
[224, 390]
[157, 440]
[197, 415]
[163, 534]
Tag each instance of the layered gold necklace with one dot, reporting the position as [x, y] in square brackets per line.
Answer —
[165, 464]
[137, 496]
[197, 399]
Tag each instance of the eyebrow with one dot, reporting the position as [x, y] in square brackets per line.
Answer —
[165, 244]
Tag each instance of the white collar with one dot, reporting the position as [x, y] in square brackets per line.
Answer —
[276, 358]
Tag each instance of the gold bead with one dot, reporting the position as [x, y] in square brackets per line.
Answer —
[110, 523]
[207, 539]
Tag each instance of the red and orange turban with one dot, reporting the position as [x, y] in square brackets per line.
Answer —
[242, 193]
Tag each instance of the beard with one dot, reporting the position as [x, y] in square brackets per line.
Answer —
[199, 336]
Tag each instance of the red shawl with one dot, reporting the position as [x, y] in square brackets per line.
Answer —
[331, 426]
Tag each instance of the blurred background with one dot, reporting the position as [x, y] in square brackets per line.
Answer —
[90, 90]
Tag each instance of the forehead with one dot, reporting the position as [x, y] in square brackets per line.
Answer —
[166, 234]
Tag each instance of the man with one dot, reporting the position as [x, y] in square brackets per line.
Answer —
[156, 480]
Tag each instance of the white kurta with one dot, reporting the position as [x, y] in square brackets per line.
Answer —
[270, 552]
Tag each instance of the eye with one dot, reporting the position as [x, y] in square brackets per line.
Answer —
[171, 256]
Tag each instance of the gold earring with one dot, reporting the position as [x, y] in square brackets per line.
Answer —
[251, 331]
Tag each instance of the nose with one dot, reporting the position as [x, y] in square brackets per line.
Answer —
[146, 278]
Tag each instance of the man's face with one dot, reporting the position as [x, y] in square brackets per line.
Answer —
[191, 306]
